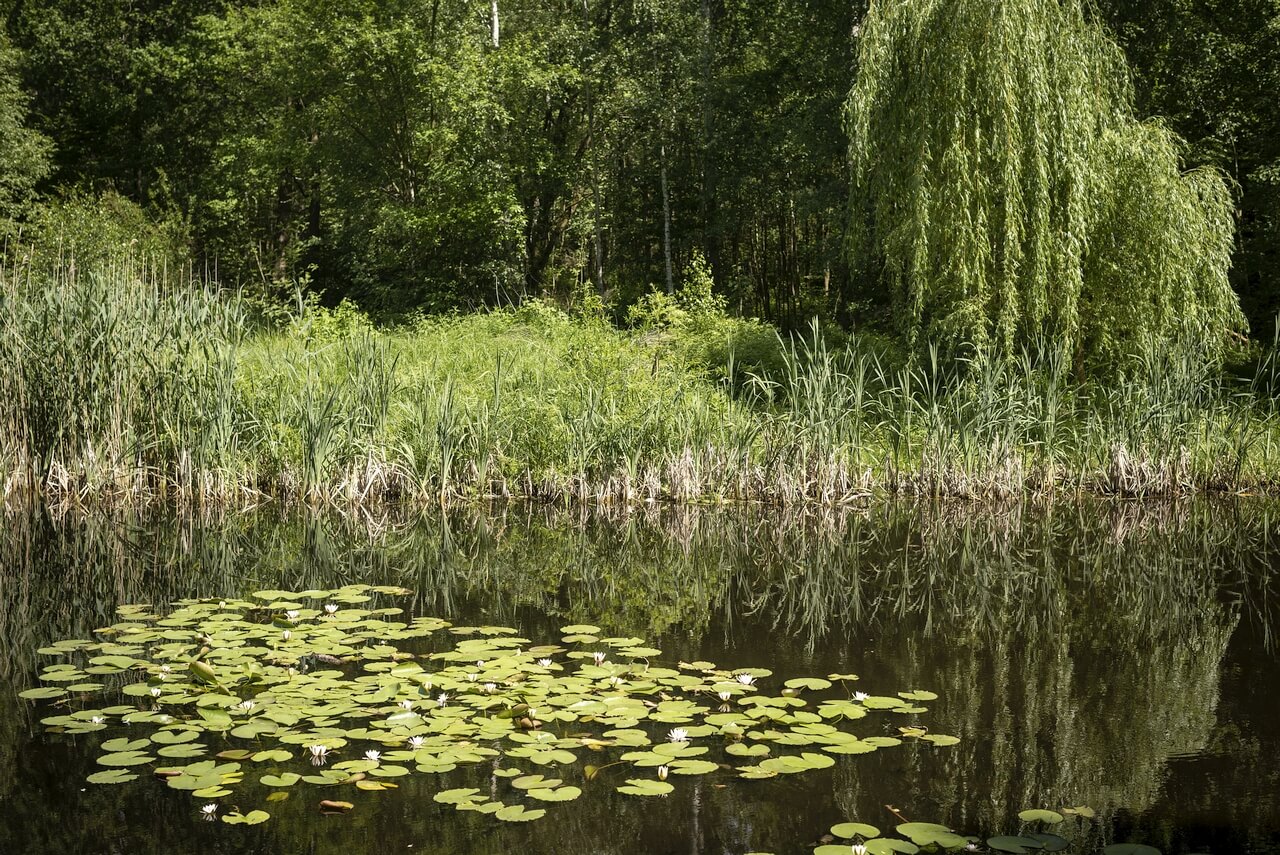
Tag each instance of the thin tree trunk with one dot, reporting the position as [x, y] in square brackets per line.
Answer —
[494, 18]
[666, 222]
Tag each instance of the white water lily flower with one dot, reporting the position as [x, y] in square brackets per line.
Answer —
[165, 669]
[319, 754]
[599, 656]
[406, 705]
[860, 696]
[662, 773]
[491, 687]
[155, 691]
[330, 608]
[859, 849]
[210, 810]
[416, 742]
[286, 635]
[725, 696]
[292, 614]
[678, 734]
[544, 663]
[246, 705]
[472, 677]
[442, 699]
[372, 755]
[532, 714]
[615, 680]
[746, 679]
[97, 719]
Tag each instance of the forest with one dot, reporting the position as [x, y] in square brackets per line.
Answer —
[600, 248]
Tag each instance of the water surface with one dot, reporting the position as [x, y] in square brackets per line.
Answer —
[1117, 656]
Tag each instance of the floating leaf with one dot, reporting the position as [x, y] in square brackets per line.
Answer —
[850, 830]
[111, 776]
[1046, 816]
[646, 787]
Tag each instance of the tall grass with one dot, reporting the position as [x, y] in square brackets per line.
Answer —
[129, 383]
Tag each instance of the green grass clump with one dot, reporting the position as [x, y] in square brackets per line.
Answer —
[125, 382]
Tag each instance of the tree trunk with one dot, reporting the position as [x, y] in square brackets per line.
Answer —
[666, 222]
[494, 20]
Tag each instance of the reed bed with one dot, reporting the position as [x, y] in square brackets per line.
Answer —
[129, 383]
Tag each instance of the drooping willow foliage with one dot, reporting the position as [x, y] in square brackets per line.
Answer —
[1007, 196]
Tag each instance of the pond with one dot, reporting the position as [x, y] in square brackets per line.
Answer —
[1118, 657]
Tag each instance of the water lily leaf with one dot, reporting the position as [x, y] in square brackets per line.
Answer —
[1051, 842]
[812, 683]
[453, 797]
[519, 813]
[693, 767]
[1050, 817]
[942, 740]
[42, 693]
[1014, 844]
[284, 779]
[189, 749]
[922, 833]
[559, 794]
[124, 744]
[125, 758]
[334, 806]
[111, 776]
[890, 846]
[743, 749]
[253, 817]
[850, 830]
[645, 787]
[857, 746]
[274, 755]
[918, 695]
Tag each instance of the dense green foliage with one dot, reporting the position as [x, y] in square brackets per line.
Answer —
[398, 154]
[127, 382]
[1004, 191]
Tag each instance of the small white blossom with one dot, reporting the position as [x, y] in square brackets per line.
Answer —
[416, 742]
[319, 754]
[155, 691]
[292, 614]
[860, 696]
[725, 696]
[662, 773]
[491, 687]
[473, 677]
[859, 849]
[544, 663]
[599, 656]
[210, 810]
[245, 705]
[746, 679]
[678, 734]
[286, 635]
[442, 699]
[330, 608]
[97, 719]
[372, 755]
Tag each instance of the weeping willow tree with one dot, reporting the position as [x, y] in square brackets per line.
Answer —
[1004, 192]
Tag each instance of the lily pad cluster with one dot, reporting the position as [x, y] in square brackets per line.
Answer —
[331, 688]
[860, 838]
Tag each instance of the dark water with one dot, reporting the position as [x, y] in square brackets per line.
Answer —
[1115, 656]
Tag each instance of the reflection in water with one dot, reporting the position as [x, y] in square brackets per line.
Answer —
[1076, 650]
